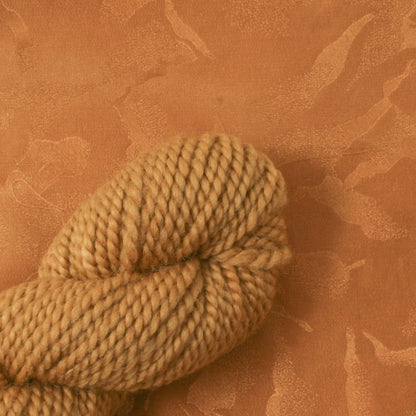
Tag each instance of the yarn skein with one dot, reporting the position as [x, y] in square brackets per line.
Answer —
[166, 267]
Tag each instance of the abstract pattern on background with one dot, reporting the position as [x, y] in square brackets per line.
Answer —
[326, 88]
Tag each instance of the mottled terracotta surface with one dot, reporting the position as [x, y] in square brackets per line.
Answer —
[327, 88]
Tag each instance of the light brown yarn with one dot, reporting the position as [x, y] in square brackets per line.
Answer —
[165, 268]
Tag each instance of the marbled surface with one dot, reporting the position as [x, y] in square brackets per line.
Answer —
[326, 88]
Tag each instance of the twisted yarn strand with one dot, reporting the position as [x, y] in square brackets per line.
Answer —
[166, 267]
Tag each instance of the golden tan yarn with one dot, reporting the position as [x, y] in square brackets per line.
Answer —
[165, 268]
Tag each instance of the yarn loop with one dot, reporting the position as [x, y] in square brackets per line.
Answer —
[169, 265]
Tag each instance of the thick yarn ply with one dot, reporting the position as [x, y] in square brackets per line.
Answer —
[166, 267]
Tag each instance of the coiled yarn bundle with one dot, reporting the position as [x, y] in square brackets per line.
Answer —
[165, 268]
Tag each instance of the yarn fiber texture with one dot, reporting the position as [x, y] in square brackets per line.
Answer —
[169, 265]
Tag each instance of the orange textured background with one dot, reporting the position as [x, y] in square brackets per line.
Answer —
[326, 88]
